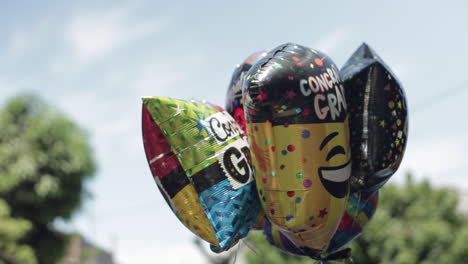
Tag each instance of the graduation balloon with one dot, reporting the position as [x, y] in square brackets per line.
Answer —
[201, 163]
[280, 241]
[298, 132]
[358, 214]
[378, 119]
[234, 102]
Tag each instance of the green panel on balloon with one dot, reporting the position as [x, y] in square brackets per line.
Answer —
[193, 129]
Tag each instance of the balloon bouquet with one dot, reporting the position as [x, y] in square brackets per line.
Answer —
[301, 152]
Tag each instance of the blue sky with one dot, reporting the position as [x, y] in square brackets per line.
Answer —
[94, 61]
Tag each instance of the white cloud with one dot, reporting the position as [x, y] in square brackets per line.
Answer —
[158, 79]
[332, 41]
[92, 35]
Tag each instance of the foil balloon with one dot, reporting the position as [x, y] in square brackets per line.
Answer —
[358, 214]
[234, 102]
[298, 132]
[201, 163]
[280, 241]
[378, 119]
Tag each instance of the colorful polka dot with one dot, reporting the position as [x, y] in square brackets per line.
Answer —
[298, 110]
[289, 218]
[306, 134]
[267, 142]
[264, 180]
[299, 175]
[284, 152]
[291, 193]
[307, 183]
[272, 211]
[282, 167]
[273, 148]
[273, 173]
[291, 148]
[319, 62]
[298, 199]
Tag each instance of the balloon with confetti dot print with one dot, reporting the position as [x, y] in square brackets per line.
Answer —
[358, 214]
[298, 133]
[378, 119]
[201, 163]
[234, 102]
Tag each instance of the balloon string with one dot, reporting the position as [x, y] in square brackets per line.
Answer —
[252, 248]
[237, 251]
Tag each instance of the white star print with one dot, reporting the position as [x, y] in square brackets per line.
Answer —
[179, 110]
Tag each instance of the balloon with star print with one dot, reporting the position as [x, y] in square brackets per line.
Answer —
[234, 102]
[299, 137]
[378, 119]
[201, 163]
[358, 214]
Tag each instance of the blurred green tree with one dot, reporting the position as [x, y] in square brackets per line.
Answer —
[44, 161]
[414, 223]
[11, 231]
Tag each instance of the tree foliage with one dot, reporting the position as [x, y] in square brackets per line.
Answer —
[44, 161]
[414, 223]
[12, 230]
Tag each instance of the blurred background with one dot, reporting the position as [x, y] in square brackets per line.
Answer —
[75, 186]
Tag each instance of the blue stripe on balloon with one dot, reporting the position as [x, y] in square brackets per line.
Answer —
[230, 211]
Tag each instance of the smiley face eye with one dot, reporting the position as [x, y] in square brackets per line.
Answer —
[328, 139]
[335, 151]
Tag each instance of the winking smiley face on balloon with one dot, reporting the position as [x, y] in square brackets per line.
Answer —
[302, 131]
[317, 183]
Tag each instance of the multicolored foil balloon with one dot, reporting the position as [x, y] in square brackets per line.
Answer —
[234, 102]
[298, 133]
[280, 241]
[378, 119]
[201, 163]
[358, 214]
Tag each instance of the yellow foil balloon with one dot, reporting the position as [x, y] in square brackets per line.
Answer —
[299, 137]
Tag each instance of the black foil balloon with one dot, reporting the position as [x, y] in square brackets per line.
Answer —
[299, 138]
[378, 119]
[234, 102]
